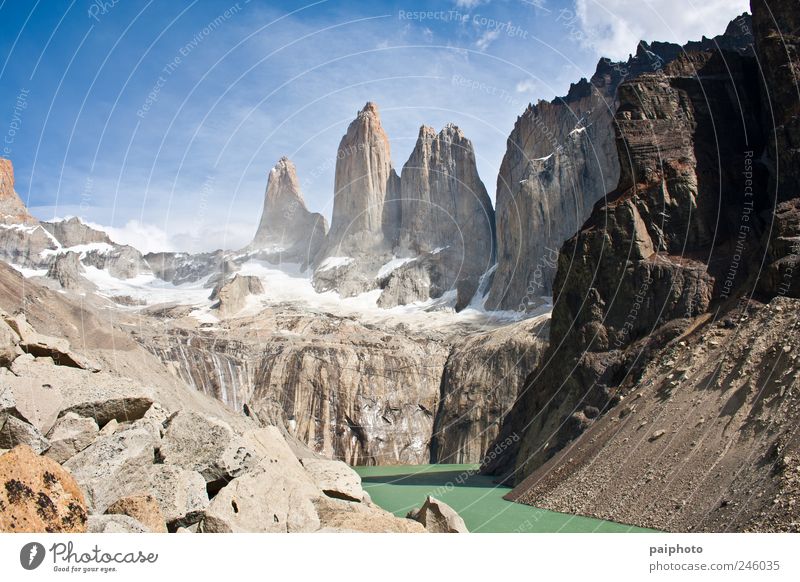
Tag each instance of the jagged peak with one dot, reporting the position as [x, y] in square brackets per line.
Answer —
[370, 109]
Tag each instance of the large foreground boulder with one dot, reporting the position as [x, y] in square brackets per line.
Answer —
[209, 446]
[38, 495]
[274, 496]
[100, 395]
[340, 516]
[334, 478]
[114, 466]
[438, 517]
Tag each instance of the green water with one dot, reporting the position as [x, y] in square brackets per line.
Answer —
[479, 501]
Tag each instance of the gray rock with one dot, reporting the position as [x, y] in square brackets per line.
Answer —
[14, 431]
[114, 523]
[67, 270]
[70, 435]
[113, 467]
[232, 296]
[8, 344]
[31, 400]
[100, 396]
[207, 445]
[287, 228]
[438, 517]
[181, 494]
[334, 478]
[274, 496]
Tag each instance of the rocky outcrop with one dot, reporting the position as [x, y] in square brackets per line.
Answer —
[560, 160]
[417, 236]
[12, 209]
[704, 441]
[180, 268]
[287, 229]
[444, 205]
[480, 383]
[776, 25]
[347, 391]
[365, 188]
[71, 232]
[231, 297]
[67, 269]
[37, 495]
[438, 517]
[656, 252]
[142, 508]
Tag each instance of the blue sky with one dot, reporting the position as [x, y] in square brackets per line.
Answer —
[160, 119]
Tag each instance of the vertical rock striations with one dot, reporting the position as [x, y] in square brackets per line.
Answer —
[657, 252]
[445, 210]
[417, 236]
[286, 226]
[560, 160]
[365, 181]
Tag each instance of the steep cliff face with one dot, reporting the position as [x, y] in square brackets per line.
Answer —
[347, 391]
[12, 209]
[480, 383]
[560, 160]
[287, 228]
[444, 208]
[661, 247]
[437, 214]
[364, 185]
[776, 25]
[657, 350]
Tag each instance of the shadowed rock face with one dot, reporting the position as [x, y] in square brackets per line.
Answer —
[560, 160]
[287, 227]
[364, 182]
[657, 252]
[444, 206]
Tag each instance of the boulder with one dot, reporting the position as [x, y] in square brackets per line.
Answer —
[232, 296]
[37, 495]
[70, 435]
[100, 395]
[14, 431]
[438, 517]
[143, 508]
[8, 344]
[44, 346]
[180, 493]
[206, 445]
[339, 516]
[334, 478]
[114, 467]
[32, 400]
[115, 524]
[274, 496]
[67, 270]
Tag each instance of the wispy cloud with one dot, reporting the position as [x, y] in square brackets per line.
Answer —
[486, 39]
[613, 28]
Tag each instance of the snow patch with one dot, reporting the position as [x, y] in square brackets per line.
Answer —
[335, 263]
[393, 265]
[82, 250]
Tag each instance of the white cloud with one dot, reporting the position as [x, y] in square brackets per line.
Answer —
[613, 28]
[144, 237]
[469, 4]
[486, 39]
[526, 86]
